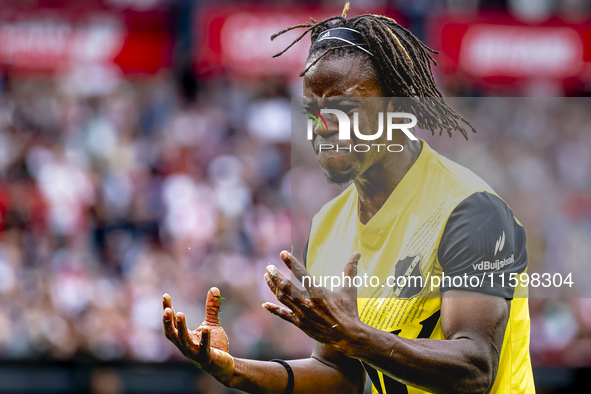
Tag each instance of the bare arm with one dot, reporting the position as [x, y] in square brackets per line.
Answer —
[326, 371]
[466, 362]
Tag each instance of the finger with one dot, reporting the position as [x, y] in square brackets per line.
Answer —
[213, 304]
[280, 289]
[169, 329]
[284, 313]
[167, 303]
[205, 338]
[351, 272]
[205, 344]
[183, 334]
[282, 283]
[295, 267]
[300, 272]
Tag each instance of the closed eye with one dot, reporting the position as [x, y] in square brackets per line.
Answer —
[348, 109]
[312, 107]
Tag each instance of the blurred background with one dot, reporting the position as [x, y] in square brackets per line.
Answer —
[145, 148]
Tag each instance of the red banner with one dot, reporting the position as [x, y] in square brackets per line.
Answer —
[57, 40]
[236, 39]
[501, 50]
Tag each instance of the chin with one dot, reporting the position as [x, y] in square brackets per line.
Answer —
[339, 168]
[340, 178]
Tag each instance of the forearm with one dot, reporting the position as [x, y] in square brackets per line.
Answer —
[310, 375]
[438, 366]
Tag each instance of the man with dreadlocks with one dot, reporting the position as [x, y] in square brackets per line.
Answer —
[411, 213]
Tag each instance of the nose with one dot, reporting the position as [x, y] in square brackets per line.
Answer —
[329, 126]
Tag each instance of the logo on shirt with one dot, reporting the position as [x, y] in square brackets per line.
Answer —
[495, 265]
[413, 282]
[500, 243]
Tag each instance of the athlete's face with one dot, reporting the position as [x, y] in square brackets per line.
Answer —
[346, 84]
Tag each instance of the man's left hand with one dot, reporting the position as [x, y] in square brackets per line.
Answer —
[329, 317]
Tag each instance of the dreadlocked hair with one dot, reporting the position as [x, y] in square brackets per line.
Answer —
[402, 61]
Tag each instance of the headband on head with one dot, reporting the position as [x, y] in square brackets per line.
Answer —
[345, 34]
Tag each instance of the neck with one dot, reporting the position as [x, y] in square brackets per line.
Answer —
[379, 181]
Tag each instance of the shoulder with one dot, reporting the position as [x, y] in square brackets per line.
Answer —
[459, 176]
[481, 210]
[482, 221]
[448, 181]
[482, 236]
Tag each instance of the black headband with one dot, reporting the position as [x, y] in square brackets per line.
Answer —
[345, 34]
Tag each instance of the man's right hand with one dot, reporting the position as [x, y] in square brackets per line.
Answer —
[207, 346]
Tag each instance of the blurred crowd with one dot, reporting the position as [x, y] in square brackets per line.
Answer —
[110, 199]
[108, 202]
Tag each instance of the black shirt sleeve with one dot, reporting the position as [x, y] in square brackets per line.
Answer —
[482, 237]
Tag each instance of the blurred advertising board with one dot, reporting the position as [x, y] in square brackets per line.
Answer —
[46, 40]
[237, 39]
[500, 50]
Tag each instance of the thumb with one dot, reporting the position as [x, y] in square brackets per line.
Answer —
[351, 270]
[213, 304]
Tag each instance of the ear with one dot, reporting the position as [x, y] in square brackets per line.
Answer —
[391, 104]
